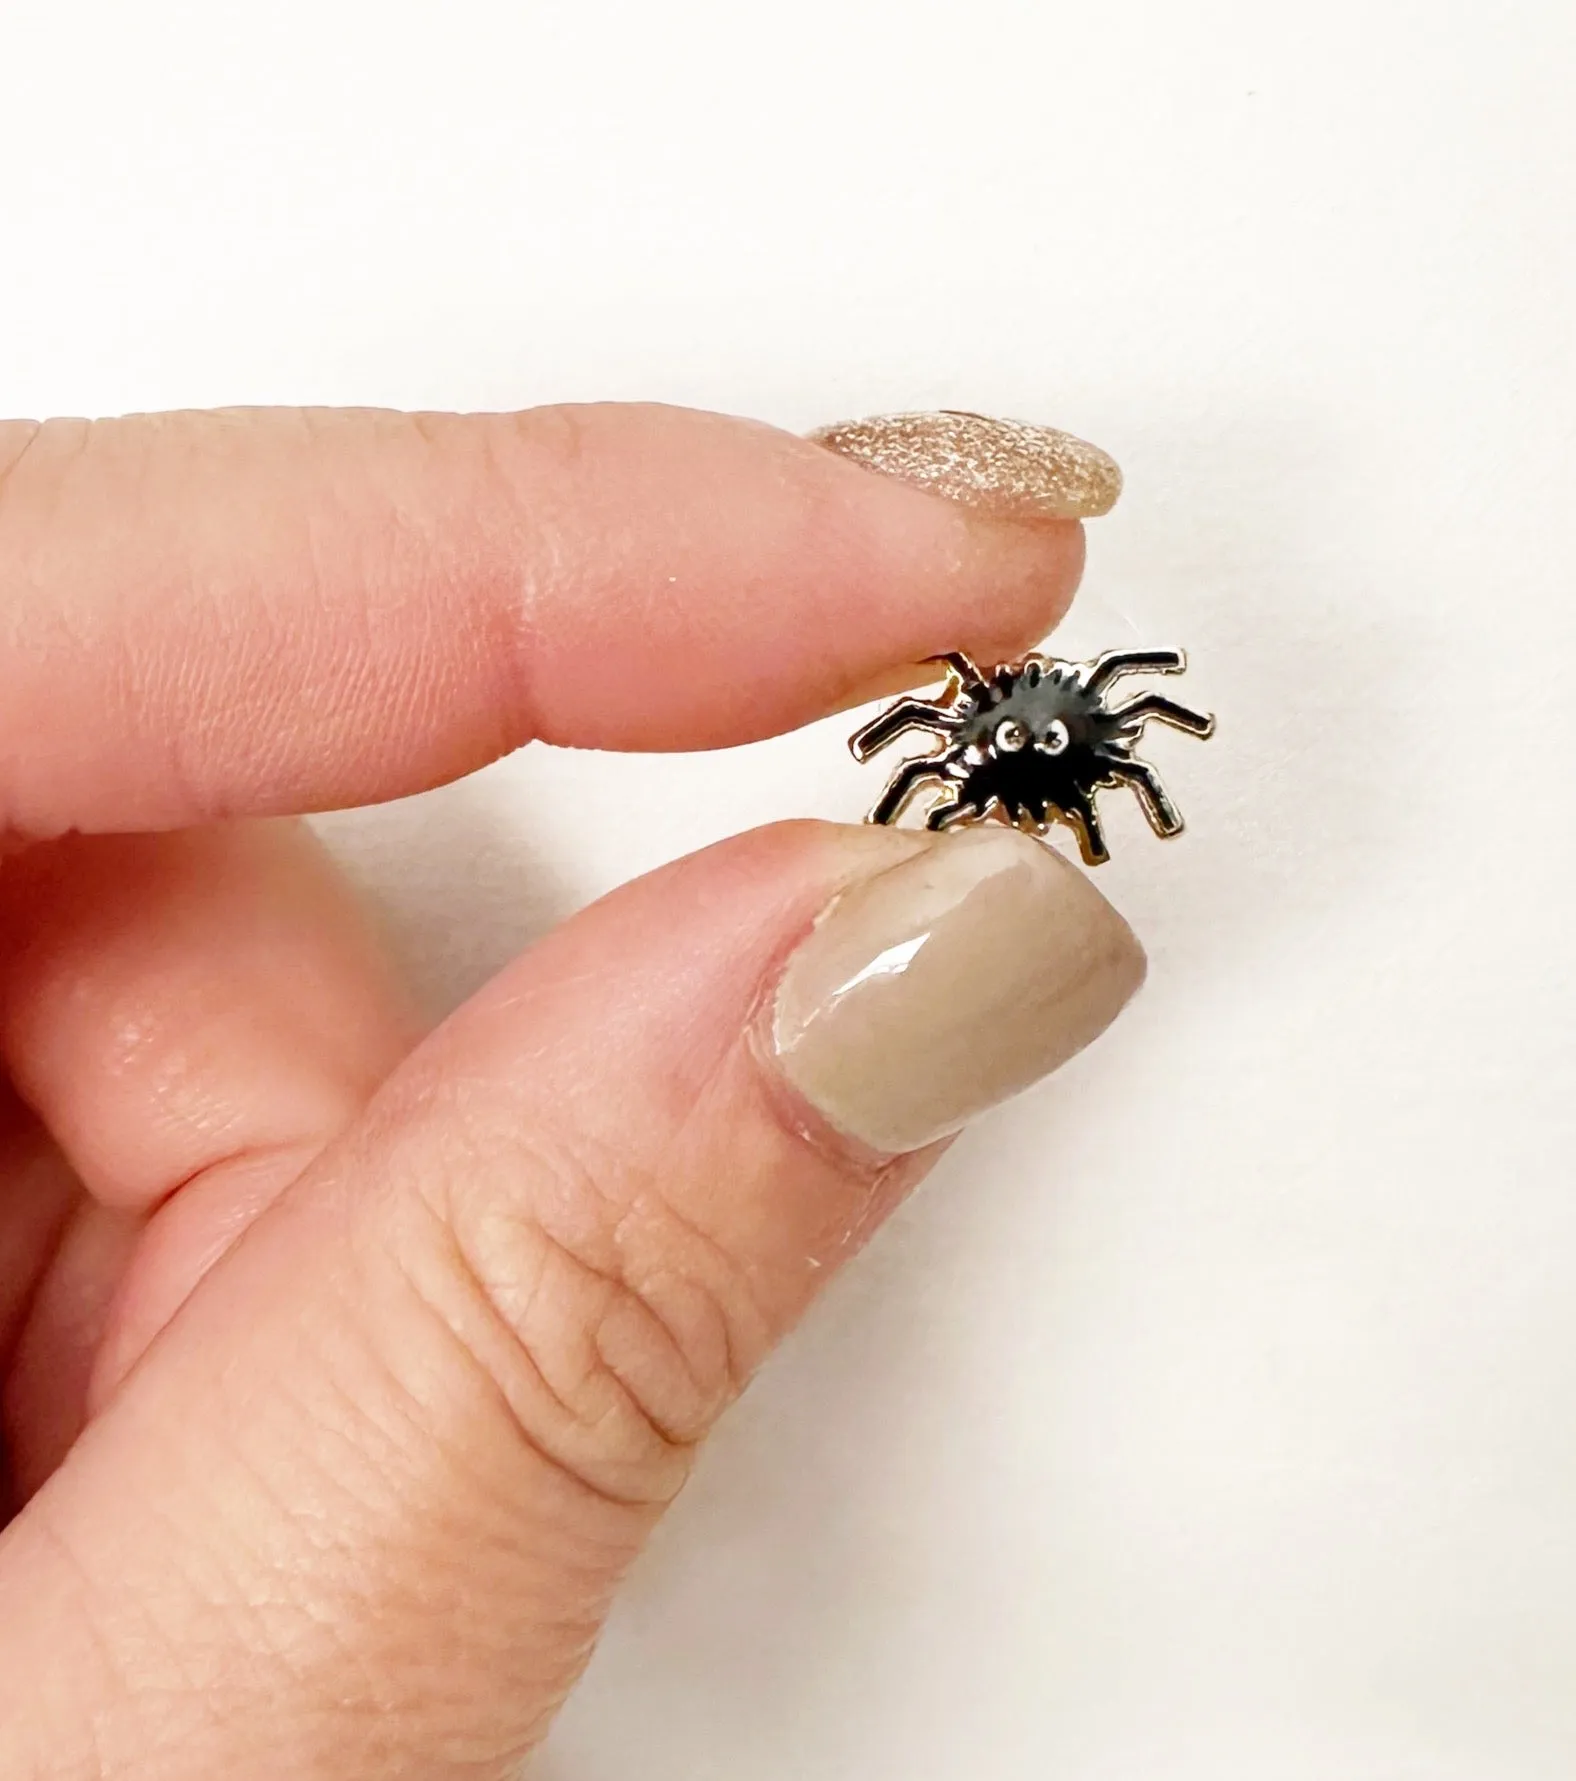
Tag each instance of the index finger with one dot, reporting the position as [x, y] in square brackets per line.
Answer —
[261, 611]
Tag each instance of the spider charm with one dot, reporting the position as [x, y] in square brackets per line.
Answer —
[1032, 742]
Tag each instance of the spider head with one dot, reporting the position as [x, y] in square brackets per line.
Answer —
[1012, 735]
[1032, 710]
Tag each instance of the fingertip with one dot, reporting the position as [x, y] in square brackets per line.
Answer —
[801, 581]
[307, 609]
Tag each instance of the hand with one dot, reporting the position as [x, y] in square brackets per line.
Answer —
[346, 1370]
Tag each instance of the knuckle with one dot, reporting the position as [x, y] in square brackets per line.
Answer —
[562, 431]
[534, 461]
[613, 1331]
[17, 439]
[38, 460]
[523, 480]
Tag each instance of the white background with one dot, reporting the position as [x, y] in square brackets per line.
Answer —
[1212, 1415]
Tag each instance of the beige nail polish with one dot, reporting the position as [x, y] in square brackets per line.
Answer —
[947, 983]
[1007, 469]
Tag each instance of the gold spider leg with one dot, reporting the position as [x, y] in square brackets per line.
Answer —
[903, 784]
[1106, 667]
[1166, 711]
[1080, 814]
[962, 667]
[953, 811]
[905, 715]
[1163, 816]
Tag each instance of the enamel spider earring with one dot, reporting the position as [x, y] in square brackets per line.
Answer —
[1031, 743]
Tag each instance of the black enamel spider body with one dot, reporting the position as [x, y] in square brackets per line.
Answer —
[1032, 742]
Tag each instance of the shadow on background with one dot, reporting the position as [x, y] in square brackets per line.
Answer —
[456, 883]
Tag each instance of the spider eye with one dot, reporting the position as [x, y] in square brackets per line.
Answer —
[1010, 736]
[1056, 737]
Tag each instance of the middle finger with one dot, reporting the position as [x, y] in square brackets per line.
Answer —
[192, 1016]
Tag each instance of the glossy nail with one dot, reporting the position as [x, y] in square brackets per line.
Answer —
[947, 983]
[1007, 469]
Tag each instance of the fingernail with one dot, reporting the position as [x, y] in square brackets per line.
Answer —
[1007, 469]
[945, 984]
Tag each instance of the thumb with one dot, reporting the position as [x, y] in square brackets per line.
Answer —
[361, 1509]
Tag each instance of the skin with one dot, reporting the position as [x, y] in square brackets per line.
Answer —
[346, 1368]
